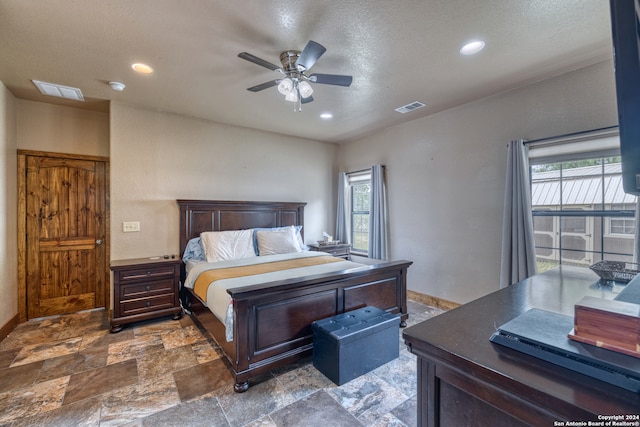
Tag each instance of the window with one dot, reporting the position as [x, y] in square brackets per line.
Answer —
[581, 215]
[622, 227]
[359, 197]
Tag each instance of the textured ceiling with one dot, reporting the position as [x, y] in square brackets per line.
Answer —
[397, 51]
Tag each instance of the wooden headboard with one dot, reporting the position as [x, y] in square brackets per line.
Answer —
[197, 216]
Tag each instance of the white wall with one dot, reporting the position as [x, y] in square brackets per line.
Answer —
[445, 175]
[8, 203]
[157, 158]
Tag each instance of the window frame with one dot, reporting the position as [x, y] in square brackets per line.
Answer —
[353, 179]
[601, 212]
[607, 229]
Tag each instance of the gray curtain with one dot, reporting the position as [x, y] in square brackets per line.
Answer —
[518, 249]
[378, 215]
[636, 241]
[342, 230]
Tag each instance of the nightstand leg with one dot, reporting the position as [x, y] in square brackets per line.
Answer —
[115, 329]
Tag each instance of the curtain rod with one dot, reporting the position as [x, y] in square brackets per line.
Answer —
[568, 135]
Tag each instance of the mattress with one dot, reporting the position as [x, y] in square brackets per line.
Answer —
[218, 299]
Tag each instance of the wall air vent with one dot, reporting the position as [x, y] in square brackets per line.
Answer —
[60, 91]
[410, 107]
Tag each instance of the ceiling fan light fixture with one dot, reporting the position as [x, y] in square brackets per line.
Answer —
[305, 89]
[285, 86]
[292, 96]
[295, 84]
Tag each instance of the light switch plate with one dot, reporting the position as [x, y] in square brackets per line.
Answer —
[128, 227]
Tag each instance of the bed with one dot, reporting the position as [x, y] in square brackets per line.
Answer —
[272, 319]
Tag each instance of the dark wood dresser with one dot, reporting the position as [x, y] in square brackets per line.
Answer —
[465, 380]
[145, 288]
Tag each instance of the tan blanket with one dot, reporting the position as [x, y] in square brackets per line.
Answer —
[207, 277]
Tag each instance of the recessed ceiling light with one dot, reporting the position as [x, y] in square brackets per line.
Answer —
[142, 68]
[326, 116]
[472, 47]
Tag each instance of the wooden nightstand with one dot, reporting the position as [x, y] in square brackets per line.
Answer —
[144, 288]
[340, 250]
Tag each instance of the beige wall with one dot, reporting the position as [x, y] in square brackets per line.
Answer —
[8, 202]
[446, 175]
[157, 158]
[48, 127]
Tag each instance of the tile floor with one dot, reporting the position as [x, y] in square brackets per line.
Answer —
[70, 371]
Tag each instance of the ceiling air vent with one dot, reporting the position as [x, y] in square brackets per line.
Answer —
[60, 91]
[410, 107]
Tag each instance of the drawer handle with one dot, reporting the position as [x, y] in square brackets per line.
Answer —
[148, 273]
[148, 303]
[148, 288]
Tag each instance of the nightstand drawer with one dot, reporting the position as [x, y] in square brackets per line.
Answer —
[145, 305]
[147, 273]
[340, 250]
[147, 289]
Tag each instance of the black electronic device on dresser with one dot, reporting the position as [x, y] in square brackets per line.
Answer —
[625, 26]
[145, 288]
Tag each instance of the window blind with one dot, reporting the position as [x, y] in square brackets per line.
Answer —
[577, 146]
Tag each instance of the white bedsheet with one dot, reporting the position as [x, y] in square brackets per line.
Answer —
[218, 300]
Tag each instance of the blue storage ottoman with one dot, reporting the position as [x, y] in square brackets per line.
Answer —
[351, 344]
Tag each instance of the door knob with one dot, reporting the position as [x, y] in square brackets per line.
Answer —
[98, 242]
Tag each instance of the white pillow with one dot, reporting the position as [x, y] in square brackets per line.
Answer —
[298, 229]
[227, 245]
[280, 241]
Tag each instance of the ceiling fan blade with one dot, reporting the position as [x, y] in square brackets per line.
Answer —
[307, 100]
[331, 79]
[258, 61]
[311, 53]
[263, 86]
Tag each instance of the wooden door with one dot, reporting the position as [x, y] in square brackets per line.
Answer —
[66, 229]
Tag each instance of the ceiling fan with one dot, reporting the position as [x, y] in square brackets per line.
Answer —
[295, 86]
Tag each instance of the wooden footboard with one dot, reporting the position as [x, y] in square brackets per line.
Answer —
[272, 321]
